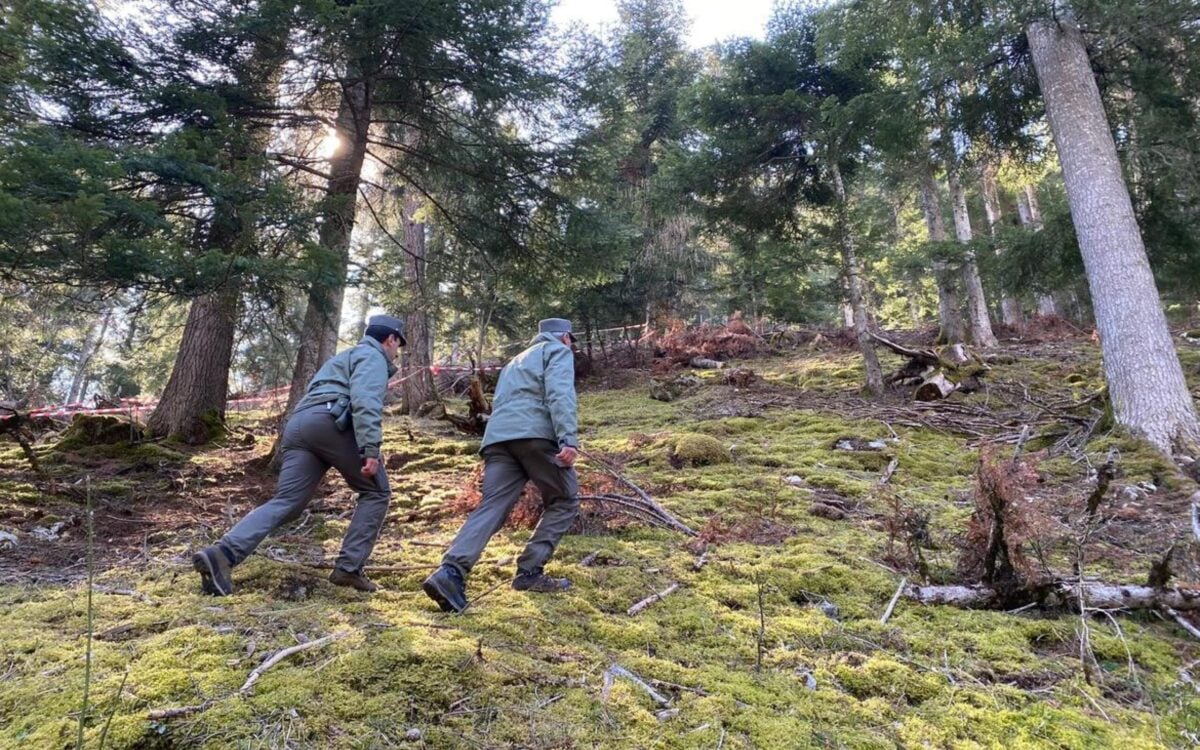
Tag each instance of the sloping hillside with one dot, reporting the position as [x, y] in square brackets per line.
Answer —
[772, 639]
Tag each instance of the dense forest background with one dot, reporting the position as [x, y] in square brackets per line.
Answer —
[205, 197]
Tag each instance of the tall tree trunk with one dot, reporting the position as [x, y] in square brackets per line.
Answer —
[419, 387]
[193, 403]
[1145, 381]
[1030, 215]
[977, 312]
[952, 330]
[323, 316]
[854, 284]
[91, 345]
[1010, 307]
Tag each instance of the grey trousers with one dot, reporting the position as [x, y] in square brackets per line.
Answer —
[311, 444]
[507, 467]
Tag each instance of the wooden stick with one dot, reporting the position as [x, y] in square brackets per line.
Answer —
[285, 653]
[652, 599]
[616, 670]
[1183, 623]
[173, 713]
[887, 474]
[887, 613]
[675, 523]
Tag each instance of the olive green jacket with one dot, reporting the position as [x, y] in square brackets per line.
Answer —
[535, 397]
[361, 373]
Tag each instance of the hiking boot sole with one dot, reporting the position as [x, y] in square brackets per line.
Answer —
[208, 576]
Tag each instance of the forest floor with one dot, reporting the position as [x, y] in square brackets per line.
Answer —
[773, 638]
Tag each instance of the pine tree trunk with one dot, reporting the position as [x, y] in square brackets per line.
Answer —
[193, 403]
[950, 318]
[323, 316]
[1145, 381]
[977, 312]
[1010, 307]
[419, 387]
[854, 284]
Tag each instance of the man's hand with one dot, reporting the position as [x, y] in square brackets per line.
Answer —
[566, 457]
[370, 467]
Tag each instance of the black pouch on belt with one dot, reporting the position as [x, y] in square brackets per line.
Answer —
[342, 415]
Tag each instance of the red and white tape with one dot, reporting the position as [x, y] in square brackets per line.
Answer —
[134, 408]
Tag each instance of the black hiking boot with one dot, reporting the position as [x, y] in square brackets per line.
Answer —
[540, 582]
[357, 580]
[445, 586]
[214, 569]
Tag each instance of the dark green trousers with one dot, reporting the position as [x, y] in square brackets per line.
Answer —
[507, 466]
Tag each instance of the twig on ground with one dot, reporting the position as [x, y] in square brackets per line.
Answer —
[643, 604]
[590, 560]
[489, 591]
[174, 713]
[887, 474]
[702, 560]
[887, 613]
[1183, 623]
[285, 653]
[616, 670]
[656, 508]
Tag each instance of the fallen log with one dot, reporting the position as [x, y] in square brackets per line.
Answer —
[935, 387]
[1061, 593]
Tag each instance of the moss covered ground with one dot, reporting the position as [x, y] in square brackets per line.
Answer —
[775, 642]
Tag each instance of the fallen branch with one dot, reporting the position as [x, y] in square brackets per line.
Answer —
[1061, 593]
[174, 713]
[887, 474]
[617, 670]
[887, 613]
[1183, 623]
[657, 509]
[279, 656]
[643, 604]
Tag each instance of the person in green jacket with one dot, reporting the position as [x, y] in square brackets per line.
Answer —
[532, 434]
[338, 423]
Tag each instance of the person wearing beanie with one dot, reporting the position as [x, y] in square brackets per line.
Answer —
[530, 435]
[339, 424]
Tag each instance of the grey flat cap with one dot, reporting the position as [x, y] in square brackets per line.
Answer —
[557, 326]
[393, 324]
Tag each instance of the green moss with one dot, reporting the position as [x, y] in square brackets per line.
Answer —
[694, 449]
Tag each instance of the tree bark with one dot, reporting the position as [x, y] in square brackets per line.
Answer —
[323, 316]
[977, 312]
[854, 285]
[419, 387]
[950, 318]
[1010, 307]
[1145, 381]
[193, 403]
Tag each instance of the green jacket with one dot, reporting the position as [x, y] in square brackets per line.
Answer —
[535, 397]
[361, 373]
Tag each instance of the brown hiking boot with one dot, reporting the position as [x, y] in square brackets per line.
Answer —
[540, 582]
[358, 580]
